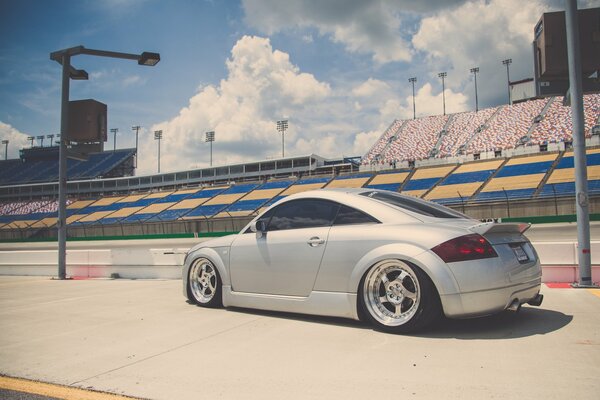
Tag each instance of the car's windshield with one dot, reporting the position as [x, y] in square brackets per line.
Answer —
[414, 204]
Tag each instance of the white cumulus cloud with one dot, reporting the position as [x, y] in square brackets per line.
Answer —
[17, 140]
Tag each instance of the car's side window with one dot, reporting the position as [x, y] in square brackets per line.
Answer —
[348, 216]
[305, 213]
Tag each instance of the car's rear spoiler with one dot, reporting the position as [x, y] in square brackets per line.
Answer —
[507, 227]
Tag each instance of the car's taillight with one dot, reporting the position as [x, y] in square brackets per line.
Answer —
[465, 248]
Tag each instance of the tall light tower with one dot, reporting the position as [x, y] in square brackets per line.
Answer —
[51, 137]
[136, 129]
[5, 143]
[413, 80]
[114, 132]
[31, 139]
[63, 57]
[41, 139]
[507, 62]
[474, 71]
[210, 138]
[158, 136]
[443, 75]
[282, 127]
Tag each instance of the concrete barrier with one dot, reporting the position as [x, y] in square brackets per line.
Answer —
[162, 258]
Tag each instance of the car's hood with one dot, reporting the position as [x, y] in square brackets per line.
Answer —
[223, 241]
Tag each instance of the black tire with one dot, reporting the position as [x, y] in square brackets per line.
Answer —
[204, 286]
[398, 297]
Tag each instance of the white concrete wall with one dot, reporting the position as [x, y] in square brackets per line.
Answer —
[162, 258]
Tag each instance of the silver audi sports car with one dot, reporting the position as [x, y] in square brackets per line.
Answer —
[394, 260]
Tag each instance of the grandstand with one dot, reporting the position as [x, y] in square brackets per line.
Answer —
[476, 161]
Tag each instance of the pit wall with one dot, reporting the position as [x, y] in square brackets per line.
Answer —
[161, 257]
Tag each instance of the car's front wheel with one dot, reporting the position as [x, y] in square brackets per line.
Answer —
[204, 284]
[398, 297]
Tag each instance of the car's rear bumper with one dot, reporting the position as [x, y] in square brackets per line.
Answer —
[490, 301]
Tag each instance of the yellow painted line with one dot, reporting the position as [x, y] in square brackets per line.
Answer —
[56, 391]
[595, 292]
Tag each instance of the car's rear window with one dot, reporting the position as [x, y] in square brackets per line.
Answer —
[415, 205]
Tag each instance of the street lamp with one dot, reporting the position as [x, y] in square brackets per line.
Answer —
[5, 143]
[50, 137]
[114, 132]
[507, 62]
[210, 137]
[282, 127]
[474, 71]
[31, 139]
[63, 57]
[443, 75]
[158, 136]
[136, 129]
[413, 80]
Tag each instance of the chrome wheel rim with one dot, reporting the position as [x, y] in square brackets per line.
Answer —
[203, 280]
[392, 293]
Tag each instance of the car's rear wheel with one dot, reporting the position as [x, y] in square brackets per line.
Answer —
[204, 284]
[398, 297]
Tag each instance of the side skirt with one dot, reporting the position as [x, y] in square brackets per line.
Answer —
[333, 304]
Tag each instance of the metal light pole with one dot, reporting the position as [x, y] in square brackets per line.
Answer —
[31, 139]
[474, 71]
[5, 143]
[443, 75]
[507, 62]
[63, 57]
[50, 137]
[210, 137]
[114, 132]
[41, 139]
[581, 187]
[413, 80]
[282, 127]
[136, 129]
[158, 136]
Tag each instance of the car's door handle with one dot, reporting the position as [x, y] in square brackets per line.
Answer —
[315, 241]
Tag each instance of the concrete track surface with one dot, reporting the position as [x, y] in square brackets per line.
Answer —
[141, 338]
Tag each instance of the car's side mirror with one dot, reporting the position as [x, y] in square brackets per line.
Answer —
[259, 227]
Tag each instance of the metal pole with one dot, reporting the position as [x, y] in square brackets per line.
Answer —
[444, 94]
[159, 155]
[136, 129]
[211, 142]
[476, 98]
[283, 144]
[581, 187]
[62, 169]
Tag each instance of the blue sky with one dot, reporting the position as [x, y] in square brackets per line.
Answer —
[337, 69]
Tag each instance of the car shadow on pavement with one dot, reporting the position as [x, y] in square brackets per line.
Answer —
[505, 325]
[317, 319]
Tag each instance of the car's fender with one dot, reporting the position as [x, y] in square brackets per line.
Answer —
[215, 255]
[437, 270]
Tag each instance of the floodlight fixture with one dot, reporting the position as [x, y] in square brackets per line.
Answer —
[158, 135]
[114, 132]
[31, 139]
[41, 139]
[5, 143]
[507, 62]
[137, 130]
[474, 71]
[210, 138]
[413, 80]
[443, 75]
[282, 126]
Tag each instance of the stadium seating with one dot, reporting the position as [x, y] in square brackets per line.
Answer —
[417, 139]
[256, 199]
[373, 154]
[510, 124]
[461, 128]
[562, 180]
[389, 180]
[464, 181]
[221, 201]
[349, 181]
[97, 165]
[519, 178]
[426, 178]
